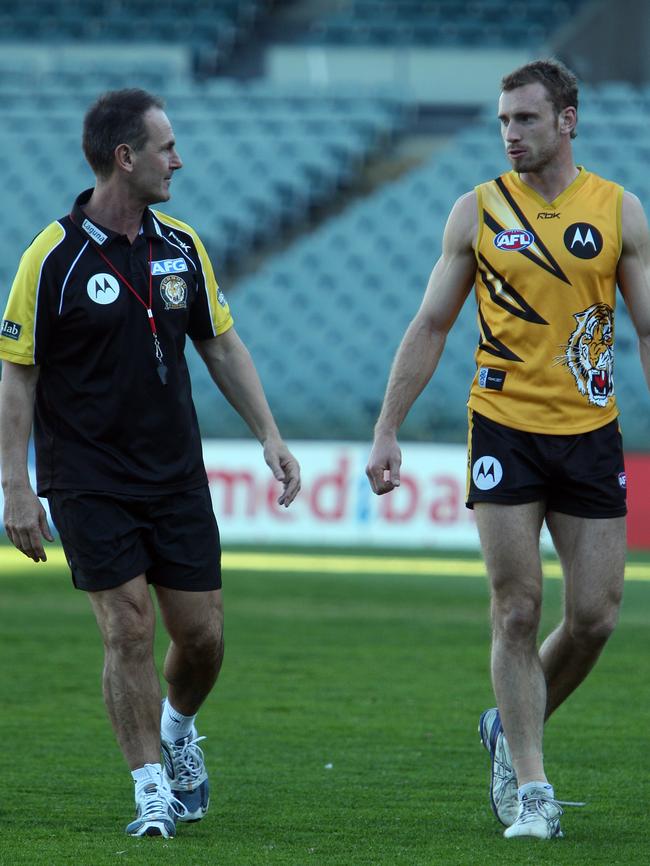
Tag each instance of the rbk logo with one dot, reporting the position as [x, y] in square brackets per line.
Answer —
[185, 247]
[583, 240]
[546, 215]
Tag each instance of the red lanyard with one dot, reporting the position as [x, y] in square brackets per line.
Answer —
[162, 369]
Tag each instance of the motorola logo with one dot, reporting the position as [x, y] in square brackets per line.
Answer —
[487, 472]
[103, 289]
[583, 240]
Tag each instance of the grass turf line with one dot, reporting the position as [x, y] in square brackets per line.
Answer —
[382, 677]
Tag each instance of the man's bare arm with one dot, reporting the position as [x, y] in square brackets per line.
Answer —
[232, 369]
[24, 516]
[419, 352]
[634, 274]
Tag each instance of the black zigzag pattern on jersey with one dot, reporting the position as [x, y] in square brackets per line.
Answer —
[493, 345]
[496, 227]
[554, 269]
[523, 310]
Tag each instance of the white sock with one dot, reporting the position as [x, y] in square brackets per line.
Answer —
[529, 787]
[174, 725]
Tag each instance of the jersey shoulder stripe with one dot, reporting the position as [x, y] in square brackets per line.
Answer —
[18, 337]
[219, 310]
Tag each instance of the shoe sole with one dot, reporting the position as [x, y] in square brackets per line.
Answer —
[491, 752]
[153, 831]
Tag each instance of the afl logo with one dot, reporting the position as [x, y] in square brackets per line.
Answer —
[514, 239]
[583, 240]
[487, 472]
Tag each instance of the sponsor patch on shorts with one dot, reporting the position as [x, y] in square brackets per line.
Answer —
[487, 472]
[490, 378]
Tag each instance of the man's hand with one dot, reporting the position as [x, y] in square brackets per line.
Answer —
[26, 523]
[285, 468]
[384, 464]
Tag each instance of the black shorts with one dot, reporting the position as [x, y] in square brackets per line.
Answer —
[581, 474]
[109, 540]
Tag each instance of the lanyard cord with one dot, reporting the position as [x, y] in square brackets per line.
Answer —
[162, 369]
[152, 321]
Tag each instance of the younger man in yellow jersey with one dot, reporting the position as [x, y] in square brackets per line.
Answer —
[544, 246]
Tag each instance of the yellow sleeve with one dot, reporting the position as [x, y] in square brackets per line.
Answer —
[24, 331]
[219, 311]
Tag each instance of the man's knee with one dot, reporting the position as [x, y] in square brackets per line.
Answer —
[516, 619]
[592, 629]
[127, 628]
[204, 640]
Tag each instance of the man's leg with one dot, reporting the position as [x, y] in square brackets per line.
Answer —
[510, 541]
[194, 621]
[126, 620]
[592, 553]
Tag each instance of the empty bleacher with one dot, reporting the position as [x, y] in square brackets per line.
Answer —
[441, 23]
[257, 159]
[324, 319]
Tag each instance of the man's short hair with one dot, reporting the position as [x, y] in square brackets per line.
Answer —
[559, 82]
[117, 117]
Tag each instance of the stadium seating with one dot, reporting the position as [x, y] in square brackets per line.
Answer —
[257, 158]
[332, 308]
[215, 25]
[323, 318]
[441, 23]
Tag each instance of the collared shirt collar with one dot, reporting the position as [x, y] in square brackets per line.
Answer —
[98, 233]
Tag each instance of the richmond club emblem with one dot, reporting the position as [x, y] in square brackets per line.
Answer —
[173, 290]
[589, 354]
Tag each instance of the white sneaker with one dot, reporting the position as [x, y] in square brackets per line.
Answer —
[156, 810]
[538, 816]
[503, 780]
[186, 774]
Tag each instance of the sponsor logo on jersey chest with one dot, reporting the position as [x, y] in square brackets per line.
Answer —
[583, 240]
[103, 289]
[95, 233]
[168, 266]
[514, 240]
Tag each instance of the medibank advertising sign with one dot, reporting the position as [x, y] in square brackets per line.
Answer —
[336, 504]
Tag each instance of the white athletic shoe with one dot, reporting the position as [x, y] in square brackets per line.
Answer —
[156, 810]
[538, 816]
[503, 780]
[185, 772]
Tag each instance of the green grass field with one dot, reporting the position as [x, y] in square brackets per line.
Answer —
[342, 731]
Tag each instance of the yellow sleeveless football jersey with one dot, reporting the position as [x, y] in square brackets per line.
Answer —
[546, 292]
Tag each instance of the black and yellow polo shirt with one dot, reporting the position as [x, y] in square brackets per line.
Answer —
[104, 419]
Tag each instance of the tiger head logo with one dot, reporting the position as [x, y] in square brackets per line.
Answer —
[589, 354]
